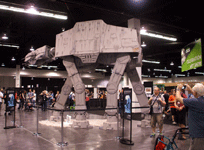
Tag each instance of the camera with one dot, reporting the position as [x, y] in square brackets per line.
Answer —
[184, 87]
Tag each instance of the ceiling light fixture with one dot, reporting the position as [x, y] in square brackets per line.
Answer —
[161, 76]
[32, 49]
[143, 44]
[180, 75]
[152, 62]
[4, 37]
[199, 73]
[145, 76]
[102, 70]
[163, 70]
[144, 32]
[9, 45]
[172, 63]
[32, 10]
[13, 59]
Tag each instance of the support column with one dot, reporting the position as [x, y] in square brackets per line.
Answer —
[95, 93]
[135, 24]
[18, 77]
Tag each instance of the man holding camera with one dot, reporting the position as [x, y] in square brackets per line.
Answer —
[195, 114]
[157, 102]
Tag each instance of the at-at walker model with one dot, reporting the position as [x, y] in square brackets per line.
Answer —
[87, 44]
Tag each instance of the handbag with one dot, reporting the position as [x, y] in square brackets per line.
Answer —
[151, 107]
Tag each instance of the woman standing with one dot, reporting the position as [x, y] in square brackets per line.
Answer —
[23, 100]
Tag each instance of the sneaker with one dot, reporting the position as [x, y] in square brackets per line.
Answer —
[174, 122]
[152, 135]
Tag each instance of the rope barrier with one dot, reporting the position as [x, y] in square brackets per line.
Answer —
[72, 110]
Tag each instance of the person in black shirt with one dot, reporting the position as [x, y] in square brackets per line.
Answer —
[166, 98]
[44, 100]
[121, 102]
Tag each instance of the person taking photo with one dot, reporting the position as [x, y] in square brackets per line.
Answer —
[195, 113]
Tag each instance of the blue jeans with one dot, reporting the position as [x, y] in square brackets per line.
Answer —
[44, 105]
[121, 103]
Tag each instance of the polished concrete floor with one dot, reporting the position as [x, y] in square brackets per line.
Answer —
[22, 138]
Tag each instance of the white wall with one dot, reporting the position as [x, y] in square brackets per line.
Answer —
[155, 80]
[7, 77]
[6, 81]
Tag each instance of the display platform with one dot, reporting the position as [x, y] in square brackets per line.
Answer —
[92, 122]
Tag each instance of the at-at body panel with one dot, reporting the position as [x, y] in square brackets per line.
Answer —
[87, 40]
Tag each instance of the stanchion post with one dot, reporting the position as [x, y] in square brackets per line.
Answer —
[118, 132]
[37, 134]
[62, 143]
[14, 116]
[20, 126]
[5, 119]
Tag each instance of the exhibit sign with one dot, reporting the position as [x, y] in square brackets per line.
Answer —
[10, 98]
[127, 93]
[127, 118]
[191, 56]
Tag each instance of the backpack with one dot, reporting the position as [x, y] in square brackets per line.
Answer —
[70, 97]
[159, 145]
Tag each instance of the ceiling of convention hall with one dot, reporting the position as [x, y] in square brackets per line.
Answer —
[178, 19]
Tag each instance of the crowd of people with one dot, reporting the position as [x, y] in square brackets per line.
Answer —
[165, 103]
[176, 105]
[27, 100]
[47, 99]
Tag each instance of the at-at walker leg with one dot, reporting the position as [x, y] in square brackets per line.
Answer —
[65, 91]
[137, 85]
[60, 104]
[112, 88]
[79, 88]
[139, 91]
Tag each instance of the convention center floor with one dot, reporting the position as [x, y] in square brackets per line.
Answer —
[95, 138]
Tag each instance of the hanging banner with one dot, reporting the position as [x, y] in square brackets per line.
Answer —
[191, 56]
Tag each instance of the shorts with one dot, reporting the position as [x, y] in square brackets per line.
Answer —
[156, 118]
[166, 107]
[173, 111]
[196, 144]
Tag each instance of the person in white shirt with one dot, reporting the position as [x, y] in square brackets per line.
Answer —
[1, 97]
[34, 98]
